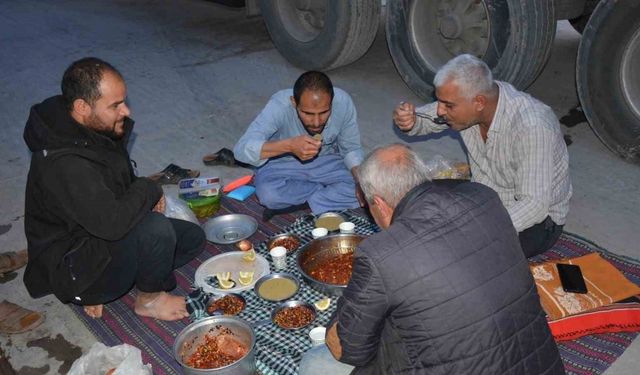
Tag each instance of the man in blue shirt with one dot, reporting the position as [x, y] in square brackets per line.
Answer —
[306, 145]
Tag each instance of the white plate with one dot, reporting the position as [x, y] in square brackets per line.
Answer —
[230, 262]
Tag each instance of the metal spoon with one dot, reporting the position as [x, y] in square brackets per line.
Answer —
[437, 120]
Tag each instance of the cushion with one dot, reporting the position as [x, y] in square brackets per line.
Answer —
[605, 284]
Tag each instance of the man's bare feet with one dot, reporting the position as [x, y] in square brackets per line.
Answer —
[161, 306]
[94, 311]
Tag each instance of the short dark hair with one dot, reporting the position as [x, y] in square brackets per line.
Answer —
[314, 81]
[82, 79]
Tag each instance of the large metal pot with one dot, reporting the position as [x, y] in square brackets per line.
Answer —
[193, 335]
[321, 249]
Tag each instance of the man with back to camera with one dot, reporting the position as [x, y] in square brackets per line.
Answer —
[93, 228]
[306, 144]
[514, 145]
[444, 288]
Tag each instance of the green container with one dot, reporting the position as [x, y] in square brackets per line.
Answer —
[205, 206]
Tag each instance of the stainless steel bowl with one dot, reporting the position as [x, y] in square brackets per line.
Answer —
[320, 250]
[280, 275]
[194, 334]
[294, 303]
[274, 239]
[230, 228]
[220, 295]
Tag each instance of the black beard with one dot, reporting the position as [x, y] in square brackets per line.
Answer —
[307, 129]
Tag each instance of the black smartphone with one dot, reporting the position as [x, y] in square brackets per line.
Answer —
[571, 278]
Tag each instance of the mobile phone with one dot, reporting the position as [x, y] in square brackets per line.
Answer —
[571, 278]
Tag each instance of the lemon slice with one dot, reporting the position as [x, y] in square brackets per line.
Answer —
[250, 256]
[223, 276]
[226, 284]
[245, 277]
[323, 304]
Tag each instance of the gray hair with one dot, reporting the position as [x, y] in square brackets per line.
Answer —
[390, 172]
[469, 73]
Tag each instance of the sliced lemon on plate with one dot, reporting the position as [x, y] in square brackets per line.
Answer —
[323, 304]
[223, 276]
[226, 284]
[250, 256]
[245, 277]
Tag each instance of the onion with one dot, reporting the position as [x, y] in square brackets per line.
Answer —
[245, 245]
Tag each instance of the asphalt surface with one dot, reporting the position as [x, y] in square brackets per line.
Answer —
[197, 74]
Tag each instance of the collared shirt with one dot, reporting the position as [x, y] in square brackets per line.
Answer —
[279, 120]
[524, 159]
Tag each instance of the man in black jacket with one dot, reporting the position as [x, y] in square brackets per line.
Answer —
[93, 228]
[444, 288]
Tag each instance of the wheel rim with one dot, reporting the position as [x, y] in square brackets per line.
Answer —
[442, 29]
[630, 74]
[303, 19]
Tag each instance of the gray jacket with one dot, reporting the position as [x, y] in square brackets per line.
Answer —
[445, 290]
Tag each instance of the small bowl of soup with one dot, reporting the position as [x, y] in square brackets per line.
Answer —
[277, 287]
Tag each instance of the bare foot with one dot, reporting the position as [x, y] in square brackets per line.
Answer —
[94, 311]
[161, 306]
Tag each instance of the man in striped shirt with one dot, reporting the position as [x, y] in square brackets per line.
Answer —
[514, 145]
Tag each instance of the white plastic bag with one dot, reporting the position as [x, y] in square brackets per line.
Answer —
[125, 359]
[176, 208]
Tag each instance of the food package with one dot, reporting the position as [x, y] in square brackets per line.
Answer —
[440, 168]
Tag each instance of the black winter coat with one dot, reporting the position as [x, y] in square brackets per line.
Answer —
[81, 195]
[445, 289]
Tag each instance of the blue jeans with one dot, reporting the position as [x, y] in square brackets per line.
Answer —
[325, 183]
[319, 361]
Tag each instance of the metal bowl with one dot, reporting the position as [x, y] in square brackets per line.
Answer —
[272, 243]
[219, 296]
[320, 250]
[194, 335]
[230, 228]
[294, 303]
[330, 215]
[281, 275]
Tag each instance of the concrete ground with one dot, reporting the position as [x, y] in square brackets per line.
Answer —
[197, 74]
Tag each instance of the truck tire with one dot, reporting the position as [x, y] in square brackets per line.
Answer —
[580, 22]
[514, 37]
[608, 76]
[321, 34]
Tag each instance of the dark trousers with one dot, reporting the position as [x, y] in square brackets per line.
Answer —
[146, 258]
[540, 237]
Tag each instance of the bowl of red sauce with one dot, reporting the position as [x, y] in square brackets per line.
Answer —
[326, 262]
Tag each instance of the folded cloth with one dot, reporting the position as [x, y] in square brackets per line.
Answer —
[242, 193]
[605, 285]
[618, 317]
[237, 183]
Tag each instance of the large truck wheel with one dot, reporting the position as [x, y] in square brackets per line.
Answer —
[580, 22]
[321, 34]
[608, 76]
[514, 37]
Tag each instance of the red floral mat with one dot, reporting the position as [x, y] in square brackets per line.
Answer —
[587, 355]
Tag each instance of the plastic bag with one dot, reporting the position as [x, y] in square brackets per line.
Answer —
[440, 168]
[176, 208]
[100, 359]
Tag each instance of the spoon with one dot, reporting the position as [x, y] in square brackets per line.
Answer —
[437, 120]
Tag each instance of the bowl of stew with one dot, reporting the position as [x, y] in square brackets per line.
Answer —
[326, 262]
[293, 314]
